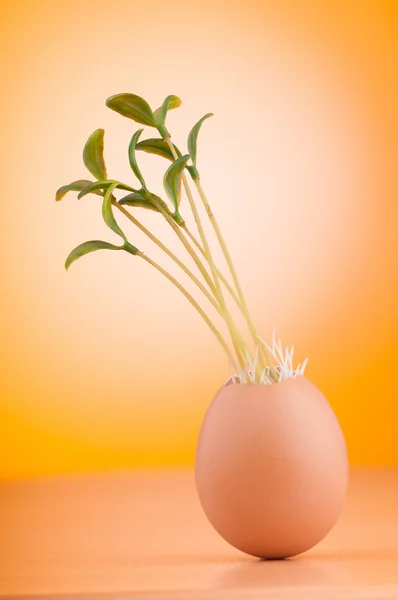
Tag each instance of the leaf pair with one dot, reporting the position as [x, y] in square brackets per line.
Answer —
[161, 148]
[173, 176]
[93, 158]
[171, 181]
[136, 108]
[110, 220]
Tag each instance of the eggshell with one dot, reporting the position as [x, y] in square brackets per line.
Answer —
[271, 467]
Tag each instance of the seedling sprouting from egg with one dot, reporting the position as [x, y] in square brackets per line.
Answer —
[271, 463]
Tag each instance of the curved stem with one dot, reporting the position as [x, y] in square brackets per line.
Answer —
[232, 293]
[236, 337]
[232, 270]
[194, 304]
[173, 257]
[223, 279]
[238, 341]
[194, 211]
[186, 244]
[227, 285]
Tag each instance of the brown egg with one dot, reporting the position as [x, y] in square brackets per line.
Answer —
[271, 467]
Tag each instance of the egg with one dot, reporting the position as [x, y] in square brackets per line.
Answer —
[271, 467]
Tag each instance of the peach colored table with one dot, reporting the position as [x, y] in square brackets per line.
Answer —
[143, 535]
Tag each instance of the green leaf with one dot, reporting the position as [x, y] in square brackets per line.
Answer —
[135, 199]
[172, 180]
[133, 107]
[157, 146]
[132, 158]
[88, 247]
[104, 185]
[169, 103]
[93, 154]
[107, 212]
[193, 137]
[75, 186]
[159, 201]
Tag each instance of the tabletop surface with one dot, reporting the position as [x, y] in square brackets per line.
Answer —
[144, 535]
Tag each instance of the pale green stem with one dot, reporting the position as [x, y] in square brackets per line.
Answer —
[207, 253]
[233, 271]
[223, 280]
[194, 211]
[187, 246]
[232, 293]
[221, 277]
[195, 305]
[235, 335]
[173, 257]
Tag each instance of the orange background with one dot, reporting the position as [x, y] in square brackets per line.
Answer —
[107, 366]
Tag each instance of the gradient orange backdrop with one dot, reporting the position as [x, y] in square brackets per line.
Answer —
[107, 366]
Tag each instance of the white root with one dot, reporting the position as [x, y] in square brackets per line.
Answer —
[283, 360]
